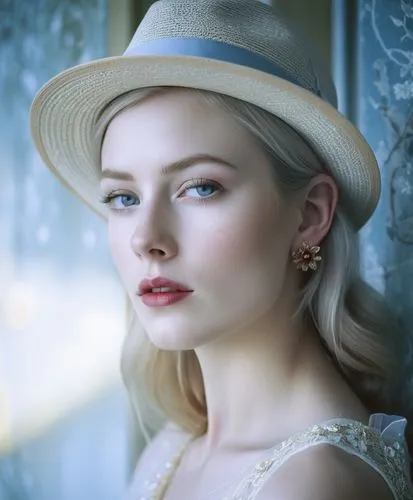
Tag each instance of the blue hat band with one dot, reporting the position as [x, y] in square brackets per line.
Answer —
[210, 49]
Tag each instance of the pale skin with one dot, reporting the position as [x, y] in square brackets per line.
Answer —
[230, 240]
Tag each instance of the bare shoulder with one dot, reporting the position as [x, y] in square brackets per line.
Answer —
[324, 472]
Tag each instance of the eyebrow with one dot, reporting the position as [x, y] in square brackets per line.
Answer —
[166, 170]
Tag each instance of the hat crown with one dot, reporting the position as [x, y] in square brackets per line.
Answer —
[247, 24]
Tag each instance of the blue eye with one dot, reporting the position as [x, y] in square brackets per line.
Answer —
[127, 200]
[205, 190]
[119, 201]
[202, 190]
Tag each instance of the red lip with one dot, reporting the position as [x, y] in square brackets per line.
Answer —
[146, 285]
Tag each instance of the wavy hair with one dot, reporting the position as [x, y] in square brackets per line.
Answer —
[352, 320]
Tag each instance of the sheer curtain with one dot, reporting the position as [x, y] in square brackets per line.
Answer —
[373, 65]
[62, 410]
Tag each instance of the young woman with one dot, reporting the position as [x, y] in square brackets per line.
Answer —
[234, 191]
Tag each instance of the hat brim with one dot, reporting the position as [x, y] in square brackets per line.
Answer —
[65, 110]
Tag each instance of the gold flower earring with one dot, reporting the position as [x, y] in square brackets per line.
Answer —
[306, 257]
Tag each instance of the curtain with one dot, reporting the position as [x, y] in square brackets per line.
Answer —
[62, 412]
[373, 60]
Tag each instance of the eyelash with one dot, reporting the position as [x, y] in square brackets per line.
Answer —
[194, 183]
[112, 195]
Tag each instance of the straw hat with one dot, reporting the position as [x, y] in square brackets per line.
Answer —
[240, 48]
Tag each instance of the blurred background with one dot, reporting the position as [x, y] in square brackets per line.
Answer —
[65, 428]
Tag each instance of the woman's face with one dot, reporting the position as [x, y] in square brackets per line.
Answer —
[193, 200]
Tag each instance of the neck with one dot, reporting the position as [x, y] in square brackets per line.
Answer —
[263, 386]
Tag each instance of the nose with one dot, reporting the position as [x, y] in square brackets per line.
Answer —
[153, 237]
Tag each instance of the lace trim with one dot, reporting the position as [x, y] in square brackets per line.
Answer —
[387, 456]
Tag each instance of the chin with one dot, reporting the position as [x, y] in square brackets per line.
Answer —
[175, 340]
[171, 343]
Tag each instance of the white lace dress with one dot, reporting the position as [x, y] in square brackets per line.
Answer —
[381, 444]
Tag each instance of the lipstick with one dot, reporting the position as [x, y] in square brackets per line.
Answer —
[158, 292]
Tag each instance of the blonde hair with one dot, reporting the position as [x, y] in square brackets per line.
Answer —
[351, 318]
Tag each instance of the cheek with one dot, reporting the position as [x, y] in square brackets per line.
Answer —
[113, 241]
[120, 249]
[247, 239]
[241, 266]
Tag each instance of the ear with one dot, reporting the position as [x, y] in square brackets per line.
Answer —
[318, 210]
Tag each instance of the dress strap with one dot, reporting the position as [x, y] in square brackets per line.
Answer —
[381, 444]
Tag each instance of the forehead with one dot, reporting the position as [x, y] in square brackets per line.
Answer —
[173, 124]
